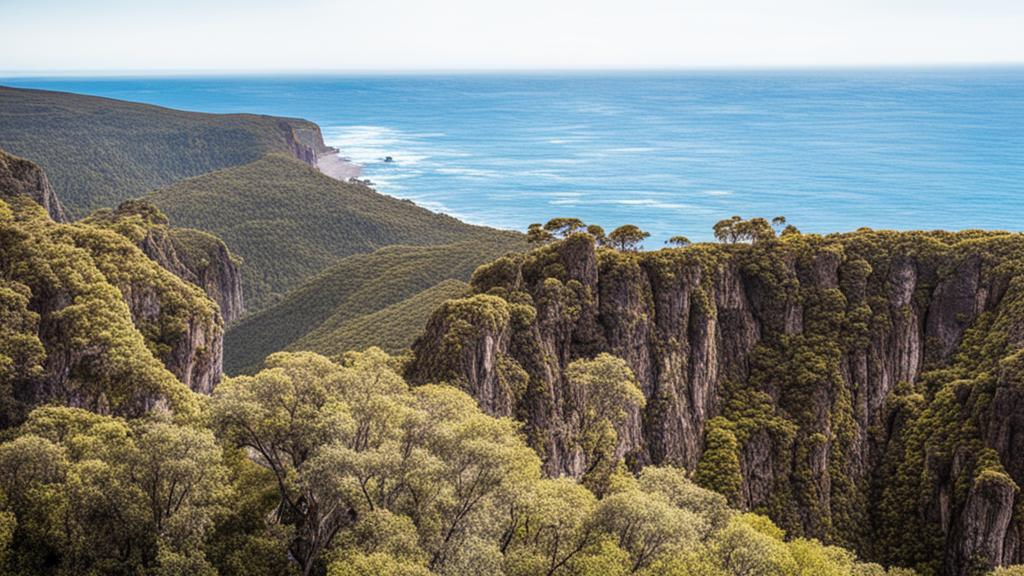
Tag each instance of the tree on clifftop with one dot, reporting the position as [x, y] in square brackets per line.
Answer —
[736, 229]
[627, 238]
[564, 227]
[778, 223]
[598, 233]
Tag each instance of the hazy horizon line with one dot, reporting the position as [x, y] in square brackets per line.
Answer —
[244, 72]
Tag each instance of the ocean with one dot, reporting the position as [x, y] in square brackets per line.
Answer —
[670, 152]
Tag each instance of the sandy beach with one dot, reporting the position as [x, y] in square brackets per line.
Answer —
[333, 165]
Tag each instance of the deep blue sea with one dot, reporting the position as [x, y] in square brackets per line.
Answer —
[671, 152]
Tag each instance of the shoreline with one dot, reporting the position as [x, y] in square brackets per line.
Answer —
[334, 165]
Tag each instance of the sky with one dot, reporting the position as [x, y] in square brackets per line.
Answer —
[87, 36]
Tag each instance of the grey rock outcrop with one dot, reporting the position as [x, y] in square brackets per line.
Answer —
[192, 255]
[19, 177]
[802, 348]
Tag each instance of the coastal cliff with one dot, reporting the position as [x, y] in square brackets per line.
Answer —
[863, 388]
[192, 255]
[90, 321]
[305, 140]
[99, 152]
[19, 177]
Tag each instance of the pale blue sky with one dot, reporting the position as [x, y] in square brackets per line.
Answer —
[368, 35]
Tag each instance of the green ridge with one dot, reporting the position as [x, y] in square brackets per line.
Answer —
[319, 314]
[98, 152]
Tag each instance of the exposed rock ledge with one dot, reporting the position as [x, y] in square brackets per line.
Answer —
[837, 364]
[21, 177]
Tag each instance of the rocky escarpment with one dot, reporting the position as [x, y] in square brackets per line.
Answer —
[862, 388]
[192, 255]
[306, 141]
[20, 177]
[179, 323]
[212, 267]
[89, 321]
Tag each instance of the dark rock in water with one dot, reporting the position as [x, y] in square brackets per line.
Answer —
[872, 380]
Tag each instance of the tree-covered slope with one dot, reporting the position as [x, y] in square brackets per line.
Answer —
[864, 388]
[88, 320]
[289, 222]
[322, 313]
[192, 255]
[98, 152]
[392, 328]
[341, 469]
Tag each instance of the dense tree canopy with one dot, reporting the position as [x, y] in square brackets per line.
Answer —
[314, 467]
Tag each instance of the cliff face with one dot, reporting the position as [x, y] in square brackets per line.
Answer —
[180, 324]
[20, 177]
[208, 264]
[869, 384]
[194, 256]
[306, 141]
[89, 321]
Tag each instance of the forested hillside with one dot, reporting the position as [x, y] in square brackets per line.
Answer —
[289, 222]
[90, 321]
[99, 152]
[777, 404]
[862, 388]
[329, 313]
[111, 465]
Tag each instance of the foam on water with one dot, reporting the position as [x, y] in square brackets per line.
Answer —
[672, 153]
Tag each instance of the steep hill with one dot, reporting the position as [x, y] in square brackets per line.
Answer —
[392, 328]
[324, 313]
[289, 222]
[192, 255]
[88, 320]
[98, 152]
[19, 177]
[865, 388]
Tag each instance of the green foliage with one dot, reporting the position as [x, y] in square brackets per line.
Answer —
[98, 152]
[627, 238]
[607, 396]
[379, 299]
[737, 229]
[564, 227]
[107, 358]
[719, 466]
[537, 234]
[289, 222]
[342, 469]
[353, 439]
[96, 494]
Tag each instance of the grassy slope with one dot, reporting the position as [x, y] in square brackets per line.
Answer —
[320, 314]
[289, 222]
[98, 152]
[393, 328]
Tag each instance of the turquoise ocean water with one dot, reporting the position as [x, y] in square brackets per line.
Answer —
[671, 152]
